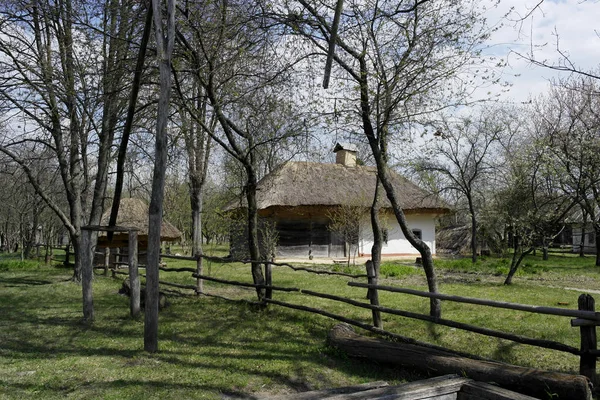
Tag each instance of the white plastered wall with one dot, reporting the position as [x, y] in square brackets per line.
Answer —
[397, 243]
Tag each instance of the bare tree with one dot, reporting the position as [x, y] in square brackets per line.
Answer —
[164, 33]
[462, 157]
[568, 127]
[246, 105]
[404, 60]
[64, 94]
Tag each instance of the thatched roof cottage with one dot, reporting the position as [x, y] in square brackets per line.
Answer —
[133, 213]
[303, 199]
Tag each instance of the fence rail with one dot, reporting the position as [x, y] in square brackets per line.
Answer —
[586, 318]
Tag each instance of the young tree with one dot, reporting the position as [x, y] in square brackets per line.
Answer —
[462, 157]
[344, 221]
[249, 106]
[403, 60]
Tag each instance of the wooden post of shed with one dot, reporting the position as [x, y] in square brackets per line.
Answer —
[106, 260]
[269, 280]
[199, 271]
[587, 362]
[86, 275]
[134, 278]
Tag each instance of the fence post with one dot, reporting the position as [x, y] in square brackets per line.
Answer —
[87, 275]
[269, 280]
[199, 271]
[134, 279]
[373, 295]
[587, 362]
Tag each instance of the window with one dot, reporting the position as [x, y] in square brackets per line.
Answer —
[418, 233]
[592, 238]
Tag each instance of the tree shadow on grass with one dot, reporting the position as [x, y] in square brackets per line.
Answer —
[23, 281]
[282, 347]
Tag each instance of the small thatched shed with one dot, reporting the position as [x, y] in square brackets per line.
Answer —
[134, 213]
[300, 197]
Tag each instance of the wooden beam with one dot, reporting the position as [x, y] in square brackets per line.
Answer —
[529, 381]
[591, 315]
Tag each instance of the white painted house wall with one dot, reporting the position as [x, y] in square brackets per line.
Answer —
[397, 243]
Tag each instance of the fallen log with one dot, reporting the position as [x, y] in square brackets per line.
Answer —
[529, 381]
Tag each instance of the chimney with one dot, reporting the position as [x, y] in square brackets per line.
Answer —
[345, 154]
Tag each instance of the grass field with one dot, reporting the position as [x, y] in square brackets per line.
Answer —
[213, 348]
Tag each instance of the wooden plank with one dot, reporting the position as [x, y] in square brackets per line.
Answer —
[437, 388]
[533, 382]
[591, 315]
[583, 322]
[547, 344]
[485, 391]
[326, 393]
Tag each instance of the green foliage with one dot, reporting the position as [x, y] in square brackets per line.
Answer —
[396, 270]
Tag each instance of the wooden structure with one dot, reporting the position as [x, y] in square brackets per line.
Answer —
[132, 213]
[88, 270]
[585, 318]
[447, 387]
[534, 382]
[299, 198]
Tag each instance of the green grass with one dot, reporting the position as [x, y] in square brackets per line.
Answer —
[210, 347]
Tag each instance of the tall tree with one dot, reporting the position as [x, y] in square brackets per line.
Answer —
[404, 59]
[164, 33]
[65, 95]
[242, 77]
[568, 125]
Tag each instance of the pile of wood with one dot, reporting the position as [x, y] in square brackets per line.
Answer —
[531, 382]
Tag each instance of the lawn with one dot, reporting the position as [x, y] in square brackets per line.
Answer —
[214, 348]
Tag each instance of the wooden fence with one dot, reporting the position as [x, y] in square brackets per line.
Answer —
[585, 317]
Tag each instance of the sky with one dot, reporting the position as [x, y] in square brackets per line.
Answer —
[573, 22]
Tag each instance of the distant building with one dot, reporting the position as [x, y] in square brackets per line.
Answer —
[300, 199]
[133, 213]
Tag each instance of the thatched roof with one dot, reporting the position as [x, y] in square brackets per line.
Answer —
[317, 184]
[134, 213]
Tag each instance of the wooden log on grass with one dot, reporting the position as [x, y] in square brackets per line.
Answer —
[529, 381]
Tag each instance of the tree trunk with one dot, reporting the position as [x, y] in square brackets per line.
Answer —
[253, 246]
[473, 230]
[164, 46]
[196, 203]
[137, 78]
[77, 256]
[597, 236]
[373, 294]
[382, 171]
[516, 260]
